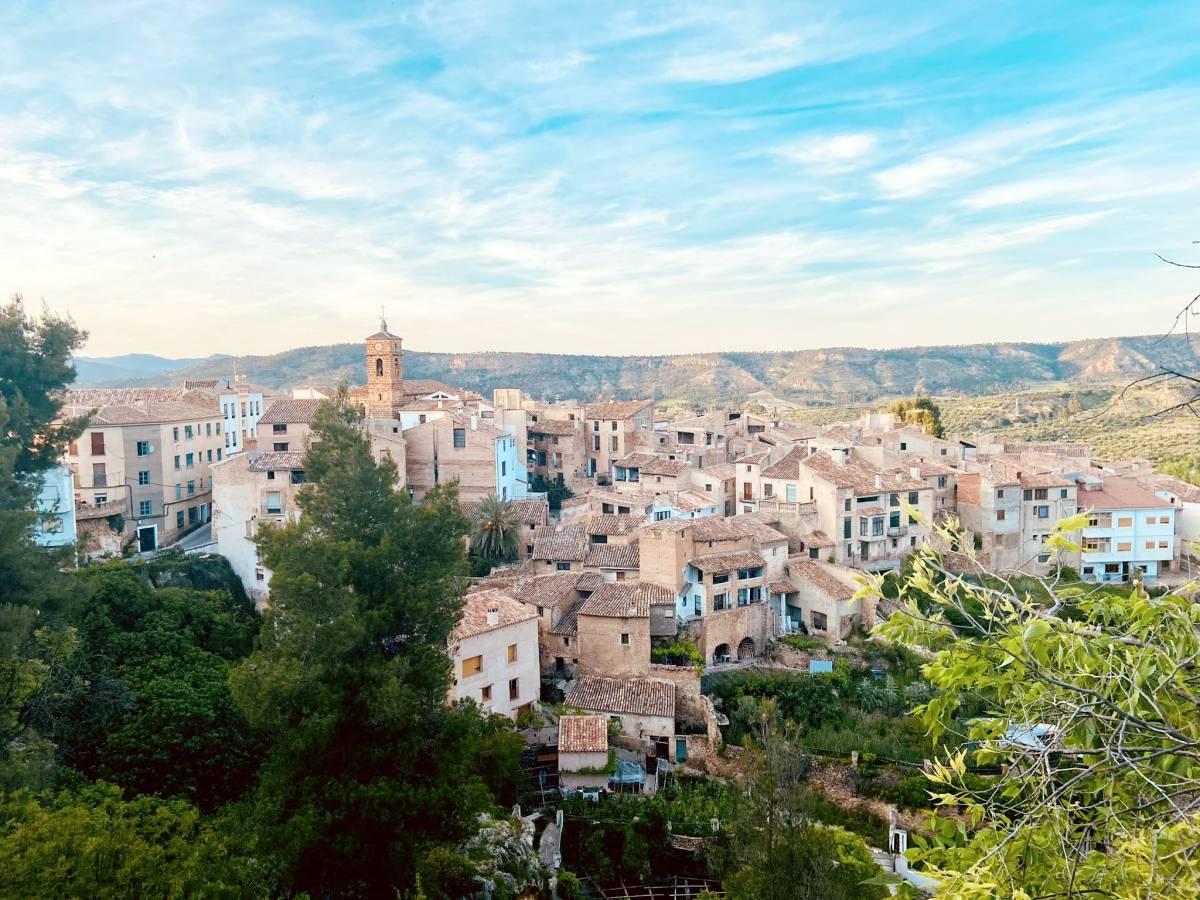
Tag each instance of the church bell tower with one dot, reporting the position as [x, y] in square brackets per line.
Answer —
[385, 373]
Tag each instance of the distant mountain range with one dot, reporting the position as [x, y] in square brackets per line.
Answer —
[118, 371]
[834, 375]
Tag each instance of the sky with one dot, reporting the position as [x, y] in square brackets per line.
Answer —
[675, 177]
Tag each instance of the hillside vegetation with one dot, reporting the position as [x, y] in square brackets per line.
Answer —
[829, 376]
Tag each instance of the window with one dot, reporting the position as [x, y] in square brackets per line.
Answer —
[941, 482]
[178, 491]
[877, 526]
[846, 526]
[179, 520]
[208, 428]
[189, 460]
[768, 489]
[743, 596]
[1124, 546]
[1000, 493]
[1149, 545]
[279, 428]
[143, 478]
[280, 447]
[791, 493]
[514, 688]
[472, 666]
[893, 499]
[912, 498]
[187, 432]
[563, 566]
[143, 448]
[1028, 494]
[1162, 545]
[503, 468]
[1164, 520]
[460, 437]
[193, 516]
[274, 502]
[846, 507]
[297, 476]
[903, 445]
[191, 488]
[1062, 493]
[486, 694]
[512, 653]
[175, 434]
[612, 443]
[720, 602]
[894, 520]
[613, 425]
[176, 462]
[819, 621]
[862, 526]
[99, 475]
[210, 454]
[999, 515]
[97, 443]
[1040, 493]
[721, 578]
[145, 507]
[1125, 522]
[1042, 512]
[625, 638]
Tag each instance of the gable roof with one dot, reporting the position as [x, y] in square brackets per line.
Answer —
[474, 619]
[290, 412]
[788, 466]
[277, 460]
[620, 409]
[717, 563]
[560, 543]
[617, 599]
[633, 696]
[552, 426]
[583, 734]
[613, 556]
[613, 523]
[835, 581]
[860, 477]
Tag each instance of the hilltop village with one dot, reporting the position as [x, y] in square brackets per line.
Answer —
[648, 550]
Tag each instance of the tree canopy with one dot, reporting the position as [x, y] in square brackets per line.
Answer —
[1089, 703]
[922, 412]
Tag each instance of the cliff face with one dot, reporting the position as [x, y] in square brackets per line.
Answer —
[841, 374]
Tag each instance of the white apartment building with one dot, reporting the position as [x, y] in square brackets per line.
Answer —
[1130, 531]
[241, 408]
[494, 649]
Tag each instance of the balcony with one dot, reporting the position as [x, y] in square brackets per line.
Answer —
[99, 510]
[897, 531]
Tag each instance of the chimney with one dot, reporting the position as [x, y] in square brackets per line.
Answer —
[915, 472]
[878, 481]
[493, 618]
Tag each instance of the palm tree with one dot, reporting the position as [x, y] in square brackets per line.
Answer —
[497, 530]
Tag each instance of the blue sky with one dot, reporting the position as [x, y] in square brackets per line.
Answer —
[188, 178]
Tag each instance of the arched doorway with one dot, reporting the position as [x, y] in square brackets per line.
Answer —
[721, 654]
[746, 648]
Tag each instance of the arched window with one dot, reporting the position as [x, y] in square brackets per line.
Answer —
[379, 368]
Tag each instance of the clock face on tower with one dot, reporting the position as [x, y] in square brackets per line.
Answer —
[378, 345]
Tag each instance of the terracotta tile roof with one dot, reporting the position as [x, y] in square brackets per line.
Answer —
[552, 426]
[288, 412]
[727, 562]
[1043, 480]
[860, 477]
[672, 468]
[818, 538]
[931, 467]
[557, 591]
[613, 556]
[277, 460]
[474, 620]
[621, 409]
[753, 459]
[431, 406]
[1185, 491]
[149, 412]
[835, 581]
[657, 594]
[782, 587]
[613, 523]
[1120, 493]
[568, 623]
[419, 387]
[690, 501]
[583, 734]
[718, 528]
[528, 512]
[788, 467]
[481, 426]
[632, 696]
[721, 471]
[560, 543]
[634, 460]
[617, 599]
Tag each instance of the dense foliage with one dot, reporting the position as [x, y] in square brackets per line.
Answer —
[922, 412]
[1088, 699]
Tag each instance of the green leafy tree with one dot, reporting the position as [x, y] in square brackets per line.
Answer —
[920, 411]
[556, 490]
[369, 768]
[34, 595]
[95, 844]
[1088, 700]
[144, 700]
[496, 531]
[1185, 467]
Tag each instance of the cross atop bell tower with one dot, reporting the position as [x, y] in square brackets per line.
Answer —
[385, 371]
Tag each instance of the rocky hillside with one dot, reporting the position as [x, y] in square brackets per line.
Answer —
[835, 375]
